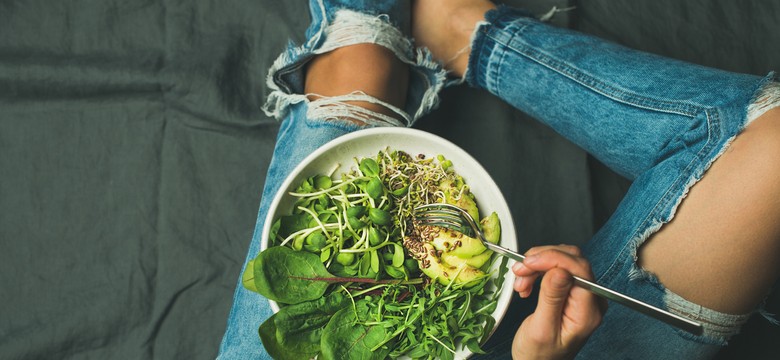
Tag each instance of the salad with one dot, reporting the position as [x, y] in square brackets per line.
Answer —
[357, 277]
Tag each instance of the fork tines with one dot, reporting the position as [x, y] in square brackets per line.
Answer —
[444, 215]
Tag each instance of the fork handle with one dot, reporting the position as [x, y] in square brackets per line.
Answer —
[644, 308]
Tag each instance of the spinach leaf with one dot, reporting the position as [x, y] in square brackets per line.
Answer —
[278, 351]
[345, 337]
[291, 223]
[285, 275]
[300, 326]
[248, 277]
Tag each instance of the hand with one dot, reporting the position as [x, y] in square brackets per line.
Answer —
[566, 315]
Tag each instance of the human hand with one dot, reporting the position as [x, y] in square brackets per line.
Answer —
[565, 315]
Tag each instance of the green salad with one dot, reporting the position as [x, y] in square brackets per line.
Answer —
[356, 277]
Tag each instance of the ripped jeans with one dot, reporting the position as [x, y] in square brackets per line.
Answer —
[657, 121]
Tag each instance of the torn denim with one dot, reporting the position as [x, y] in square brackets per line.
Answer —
[286, 76]
[658, 122]
[309, 120]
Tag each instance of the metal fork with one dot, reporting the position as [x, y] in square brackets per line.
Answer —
[455, 218]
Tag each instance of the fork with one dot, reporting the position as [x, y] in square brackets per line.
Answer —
[455, 218]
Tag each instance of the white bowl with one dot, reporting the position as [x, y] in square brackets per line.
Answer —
[367, 143]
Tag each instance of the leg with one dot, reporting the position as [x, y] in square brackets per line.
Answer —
[732, 212]
[322, 90]
[367, 68]
[661, 123]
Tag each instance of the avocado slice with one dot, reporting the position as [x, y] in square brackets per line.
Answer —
[432, 266]
[457, 244]
[491, 228]
[445, 273]
[475, 261]
[469, 252]
[465, 201]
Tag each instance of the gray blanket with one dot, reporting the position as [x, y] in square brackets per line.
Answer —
[133, 151]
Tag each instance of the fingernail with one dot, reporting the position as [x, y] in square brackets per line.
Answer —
[517, 267]
[519, 282]
[530, 259]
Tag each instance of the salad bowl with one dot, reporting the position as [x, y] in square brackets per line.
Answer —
[339, 156]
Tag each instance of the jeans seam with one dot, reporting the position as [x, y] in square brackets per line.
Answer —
[600, 87]
[714, 134]
[491, 69]
[477, 60]
[670, 195]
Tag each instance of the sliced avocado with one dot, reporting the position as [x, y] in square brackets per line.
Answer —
[491, 227]
[465, 201]
[457, 244]
[471, 251]
[434, 268]
[475, 261]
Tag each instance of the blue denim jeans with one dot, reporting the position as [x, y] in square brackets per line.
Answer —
[657, 121]
[307, 124]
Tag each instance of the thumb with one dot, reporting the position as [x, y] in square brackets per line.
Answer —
[553, 294]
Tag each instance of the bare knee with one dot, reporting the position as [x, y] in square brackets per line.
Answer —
[362, 80]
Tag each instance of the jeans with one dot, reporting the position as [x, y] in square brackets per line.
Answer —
[657, 121]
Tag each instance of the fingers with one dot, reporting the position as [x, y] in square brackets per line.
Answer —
[542, 259]
[553, 294]
[565, 315]
[547, 259]
[569, 249]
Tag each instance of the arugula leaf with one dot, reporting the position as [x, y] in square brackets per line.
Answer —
[285, 275]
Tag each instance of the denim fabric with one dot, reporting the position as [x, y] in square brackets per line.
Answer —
[298, 137]
[335, 23]
[657, 121]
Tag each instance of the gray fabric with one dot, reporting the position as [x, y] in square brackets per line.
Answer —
[133, 151]
[132, 157]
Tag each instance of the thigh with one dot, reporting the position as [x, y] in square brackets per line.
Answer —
[703, 245]
[722, 247]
